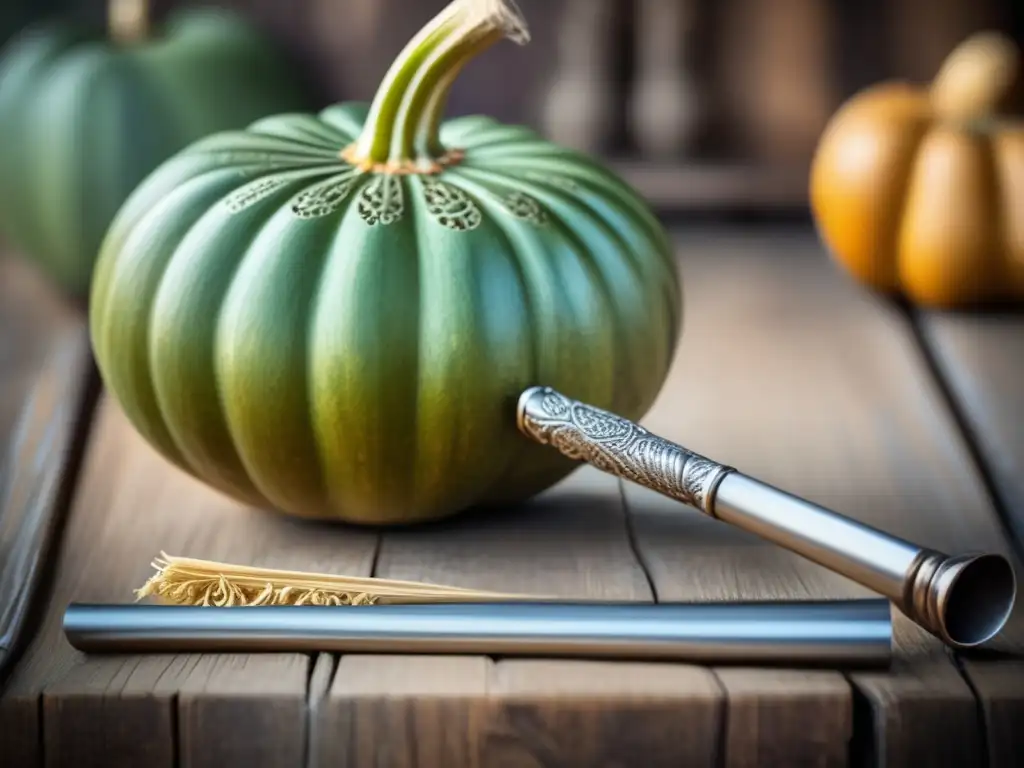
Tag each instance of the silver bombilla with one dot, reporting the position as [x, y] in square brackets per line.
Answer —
[964, 600]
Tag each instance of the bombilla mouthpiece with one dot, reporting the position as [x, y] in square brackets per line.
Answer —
[964, 600]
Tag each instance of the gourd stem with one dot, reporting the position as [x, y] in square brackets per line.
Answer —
[402, 131]
[128, 20]
[975, 77]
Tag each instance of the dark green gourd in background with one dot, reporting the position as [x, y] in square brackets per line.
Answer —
[84, 119]
[15, 15]
[334, 315]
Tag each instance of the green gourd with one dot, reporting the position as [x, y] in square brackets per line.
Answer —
[85, 117]
[333, 315]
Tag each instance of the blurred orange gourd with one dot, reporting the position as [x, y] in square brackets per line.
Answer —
[920, 191]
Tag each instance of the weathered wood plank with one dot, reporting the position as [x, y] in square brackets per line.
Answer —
[720, 400]
[104, 709]
[47, 388]
[404, 712]
[980, 357]
[399, 712]
[998, 685]
[922, 710]
[786, 717]
[244, 710]
[319, 685]
[799, 379]
[131, 505]
[223, 706]
[588, 713]
[571, 542]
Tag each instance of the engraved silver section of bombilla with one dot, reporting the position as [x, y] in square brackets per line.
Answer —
[620, 447]
[963, 600]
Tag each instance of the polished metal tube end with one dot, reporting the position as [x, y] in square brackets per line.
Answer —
[964, 600]
[523, 409]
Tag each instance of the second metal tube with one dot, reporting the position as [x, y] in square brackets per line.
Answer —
[855, 633]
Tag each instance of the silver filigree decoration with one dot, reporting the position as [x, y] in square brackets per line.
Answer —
[620, 447]
[325, 198]
[526, 208]
[451, 207]
[251, 193]
[381, 202]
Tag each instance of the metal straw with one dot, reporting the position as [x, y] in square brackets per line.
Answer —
[854, 634]
[963, 600]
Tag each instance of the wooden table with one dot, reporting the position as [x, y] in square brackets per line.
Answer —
[910, 422]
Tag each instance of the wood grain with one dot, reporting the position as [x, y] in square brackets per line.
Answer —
[785, 371]
[786, 717]
[404, 712]
[980, 357]
[319, 685]
[399, 711]
[922, 712]
[793, 376]
[228, 711]
[568, 714]
[999, 688]
[46, 393]
[244, 710]
[571, 542]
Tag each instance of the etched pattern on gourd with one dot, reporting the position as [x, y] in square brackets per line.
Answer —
[554, 180]
[451, 207]
[524, 207]
[381, 202]
[250, 194]
[246, 157]
[324, 198]
[255, 163]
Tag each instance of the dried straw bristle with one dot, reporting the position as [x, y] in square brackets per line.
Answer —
[185, 581]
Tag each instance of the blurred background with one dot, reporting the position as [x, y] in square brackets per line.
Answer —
[702, 104]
